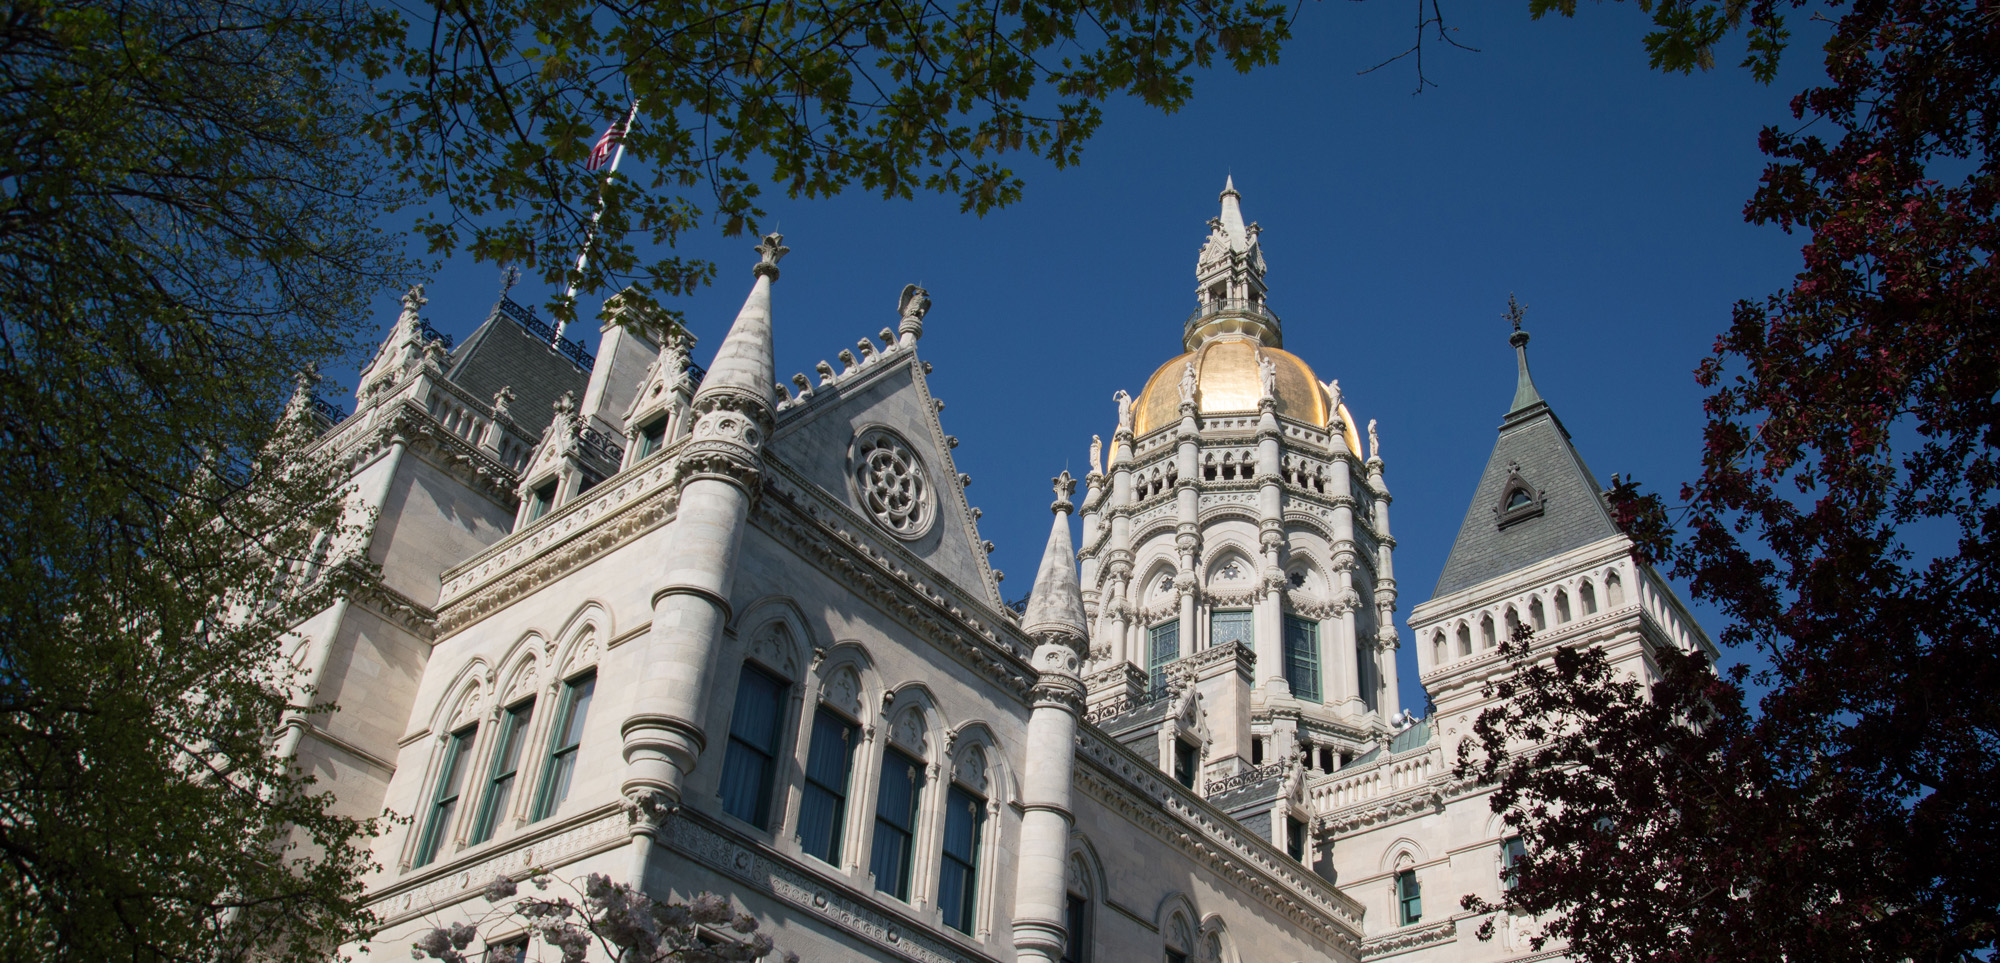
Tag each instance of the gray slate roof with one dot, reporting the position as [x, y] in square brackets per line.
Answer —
[1534, 446]
[504, 354]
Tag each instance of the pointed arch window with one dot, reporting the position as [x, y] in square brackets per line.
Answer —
[958, 877]
[750, 763]
[501, 775]
[896, 800]
[1163, 646]
[1519, 501]
[1409, 898]
[564, 740]
[1302, 658]
[444, 799]
[829, 764]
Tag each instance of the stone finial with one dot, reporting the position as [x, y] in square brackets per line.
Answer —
[413, 301]
[1065, 485]
[503, 401]
[1516, 312]
[914, 303]
[769, 253]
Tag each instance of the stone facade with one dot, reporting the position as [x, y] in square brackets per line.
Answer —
[707, 630]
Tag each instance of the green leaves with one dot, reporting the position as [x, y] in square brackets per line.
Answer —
[499, 102]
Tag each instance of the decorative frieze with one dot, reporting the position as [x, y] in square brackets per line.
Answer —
[1429, 934]
[518, 857]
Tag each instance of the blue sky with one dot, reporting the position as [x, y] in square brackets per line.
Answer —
[1552, 164]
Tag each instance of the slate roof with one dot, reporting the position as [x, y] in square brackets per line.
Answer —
[1535, 449]
[502, 353]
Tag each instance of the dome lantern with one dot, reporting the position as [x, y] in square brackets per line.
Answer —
[1229, 281]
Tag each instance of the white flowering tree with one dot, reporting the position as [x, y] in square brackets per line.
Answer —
[565, 922]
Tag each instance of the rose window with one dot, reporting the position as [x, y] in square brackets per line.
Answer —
[891, 483]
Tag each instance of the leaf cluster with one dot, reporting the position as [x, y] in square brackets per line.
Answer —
[618, 920]
[492, 107]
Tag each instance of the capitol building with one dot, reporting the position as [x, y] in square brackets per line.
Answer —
[712, 628]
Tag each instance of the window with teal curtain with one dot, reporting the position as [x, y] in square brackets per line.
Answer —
[564, 740]
[1302, 657]
[1512, 851]
[1076, 918]
[823, 810]
[751, 761]
[1409, 897]
[500, 776]
[958, 881]
[895, 822]
[1231, 625]
[444, 799]
[1164, 647]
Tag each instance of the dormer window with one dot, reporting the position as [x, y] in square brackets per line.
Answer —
[541, 499]
[652, 437]
[1519, 501]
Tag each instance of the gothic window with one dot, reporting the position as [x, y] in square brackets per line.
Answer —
[1302, 657]
[958, 877]
[1614, 590]
[1464, 641]
[1438, 650]
[444, 799]
[1295, 838]
[1409, 898]
[1562, 606]
[1535, 614]
[829, 764]
[896, 800]
[1511, 852]
[1486, 631]
[1076, 919]
[652, 438]
[501, 775]
[1230, 625]
[1519, 501]
[563, 742]
[1180, 940]
[750, 763]
[1589, 597]
[1163, 646]
[541, 499]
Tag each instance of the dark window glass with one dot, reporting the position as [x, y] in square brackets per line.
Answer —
[1518, 499]
[563, 742]
[1184, 763]
[1231, 626]
[958, 882]
[1511, 852]
[1409, 897]
[823, 811]
[1165, 647]
[652, 437]
[541, 499]
[895, 822]
[1176, 956]
[1302, 657]
[444, 800]
[1256, 751]
[1076, 918]
[500, 778]
[750, 763]
[1295, 838]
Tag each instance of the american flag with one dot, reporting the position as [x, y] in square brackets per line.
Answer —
[600, 154]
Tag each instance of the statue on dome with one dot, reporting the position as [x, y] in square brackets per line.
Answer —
[1124, 409]
[1333, 400]
[1374, 442]
[1267, 372]
[1188, 383]
[1096, 455]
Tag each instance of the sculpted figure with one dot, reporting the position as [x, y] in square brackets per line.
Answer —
[1096, 455]
[1124, 409]
[1374, 442]
[1267, 372]
[1188, 383]
[1333, 399]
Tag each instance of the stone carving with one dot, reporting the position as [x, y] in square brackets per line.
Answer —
[891, 484]
[908, 731]
[971, 768]
[914, 304]
[1188, 383]
[1333, 400]
[1124, 410]
[769, 253]
[503, 401]
[843, 691]
[1267, 375]
[1374, 442]
[1096, 455]
[773, 647]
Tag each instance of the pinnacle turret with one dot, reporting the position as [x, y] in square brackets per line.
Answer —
[1525, 395]
[744, 364]
[1055, 606]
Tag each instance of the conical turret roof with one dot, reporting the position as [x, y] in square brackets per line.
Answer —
[744, 363]
[1056, 603]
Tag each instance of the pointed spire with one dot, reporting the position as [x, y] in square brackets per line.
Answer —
[744, 363]
[1232, 215]
[1525, 395]
[1055, 606]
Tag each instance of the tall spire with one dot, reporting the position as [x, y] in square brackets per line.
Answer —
[1055, 606]
[1525, 395]
[1232, 216]
[1229, 279]
[744, 364]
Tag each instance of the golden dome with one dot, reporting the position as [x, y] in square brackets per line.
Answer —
[1227, 380]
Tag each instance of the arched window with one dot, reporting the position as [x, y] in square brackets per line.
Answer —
[564, 740]
[1077, 913]
[1302, 657]
[1589, 597]
[964, 828]
[1464, 640]
[898, 793]
[1512, 850]
[750, 764]
[1562, 606]
[1438, 650]
[444, 798]
[1179, 939]
[1535, 614]
[1409, 897]
[500, 775]
[1486, 631]
[829, 767]
[1163, 645]
[1614, 590]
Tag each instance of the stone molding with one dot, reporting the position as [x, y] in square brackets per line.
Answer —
[1138, 792]
[693, 836]
[587, 834]
[1429, 934]
[405, 420]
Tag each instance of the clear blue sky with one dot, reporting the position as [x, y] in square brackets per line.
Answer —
[1552, 164]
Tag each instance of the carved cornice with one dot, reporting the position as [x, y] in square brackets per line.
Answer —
[1429, 934]
[1428, 798]
[406, 421]
[411, 615]
[543, 847]
[1136, 791]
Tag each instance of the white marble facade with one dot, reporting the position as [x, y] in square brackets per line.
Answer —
[717, 631]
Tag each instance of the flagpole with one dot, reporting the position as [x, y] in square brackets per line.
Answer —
[583, 256]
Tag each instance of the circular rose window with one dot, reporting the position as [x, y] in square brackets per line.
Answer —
[891, 483]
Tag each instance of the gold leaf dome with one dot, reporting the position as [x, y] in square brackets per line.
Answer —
[1227, 382]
